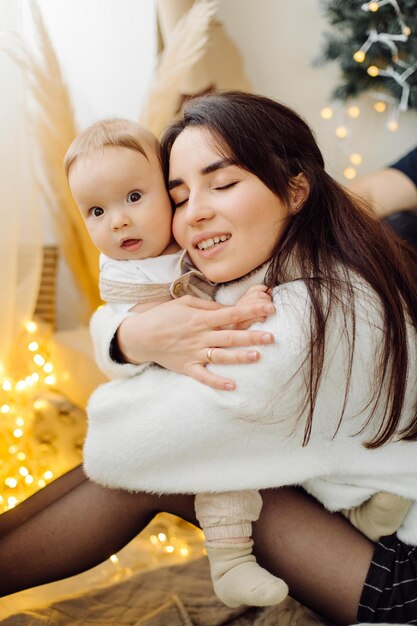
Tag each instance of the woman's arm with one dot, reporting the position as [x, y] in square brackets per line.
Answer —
[177, 335]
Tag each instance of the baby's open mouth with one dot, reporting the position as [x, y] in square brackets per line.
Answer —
[127, 244]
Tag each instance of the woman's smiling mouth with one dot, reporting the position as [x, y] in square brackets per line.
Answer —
[208, 243]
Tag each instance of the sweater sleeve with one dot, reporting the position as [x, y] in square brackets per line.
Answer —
[103, 326]
[151, 432]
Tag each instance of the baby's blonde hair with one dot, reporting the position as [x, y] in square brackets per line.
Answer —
[117, 132]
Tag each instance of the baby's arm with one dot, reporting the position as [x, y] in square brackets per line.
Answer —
[257, 294]
[379, 516]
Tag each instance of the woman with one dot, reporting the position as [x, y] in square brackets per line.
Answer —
[346, 305]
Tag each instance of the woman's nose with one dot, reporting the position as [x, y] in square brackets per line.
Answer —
[198, 209]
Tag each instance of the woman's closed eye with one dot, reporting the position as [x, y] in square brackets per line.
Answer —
[225, 186]
[134, 196]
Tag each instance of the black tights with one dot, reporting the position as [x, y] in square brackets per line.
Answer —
[74, 524]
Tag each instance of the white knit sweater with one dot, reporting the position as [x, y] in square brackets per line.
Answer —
[164, 432]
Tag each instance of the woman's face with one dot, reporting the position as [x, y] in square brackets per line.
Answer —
[225, 216]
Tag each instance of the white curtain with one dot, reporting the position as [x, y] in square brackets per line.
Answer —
[20, 233]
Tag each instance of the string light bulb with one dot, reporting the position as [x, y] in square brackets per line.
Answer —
[373, 6]
[380, 106]
[326, 113]
[341, 132]
[355, 158]
[354, 111]
[31, 327]
[349, 173]
[407, 31]
[372, 71]
[392, 125]
[359, 56]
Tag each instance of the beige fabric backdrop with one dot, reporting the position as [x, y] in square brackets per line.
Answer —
[20, 237]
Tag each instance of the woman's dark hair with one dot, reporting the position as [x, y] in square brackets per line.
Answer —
[331, 236]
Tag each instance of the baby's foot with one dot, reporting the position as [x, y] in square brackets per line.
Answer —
[238, 579]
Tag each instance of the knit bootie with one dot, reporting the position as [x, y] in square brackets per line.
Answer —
[379, 516]
[239, 580]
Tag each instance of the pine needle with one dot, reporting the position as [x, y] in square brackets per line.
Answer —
[184, 49]
[55, 128]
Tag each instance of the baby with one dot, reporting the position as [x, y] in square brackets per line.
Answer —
[115, 177]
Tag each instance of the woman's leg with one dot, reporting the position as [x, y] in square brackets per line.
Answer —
[72, 525]
[320, 555]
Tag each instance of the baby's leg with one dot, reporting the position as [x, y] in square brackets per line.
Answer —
[226, 519]
[379, 516]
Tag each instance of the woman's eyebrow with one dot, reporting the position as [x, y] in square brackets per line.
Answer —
[208, 169]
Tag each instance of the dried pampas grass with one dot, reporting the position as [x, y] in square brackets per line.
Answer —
[54, 126]
[183, 50]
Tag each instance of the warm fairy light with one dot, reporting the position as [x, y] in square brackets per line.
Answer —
[33, 346]
[392, 125]
[169, 549]
[326, 113]
[7, 385]
[39, 360]
[29, 381]
[48, 475]
[31, 327]
[20, 385]
[349, 173]
[41, 483]
[184, 551]
[48, 368]
[162, 537]
[19, 421]
[50, 380]
[12, 449]
[10, 482]
[373, 6]
[29, 479]
[359, 56]
[341, 132]
[17, 433]
[11, 502]
[354, 111]
[380, 107]
[38, 405]
[407, 31]
[23, 471]
[355, 158]
[114, 558]
[35, 377]
[5, 408]
[154, 540]
[373, 71]
[21, 456]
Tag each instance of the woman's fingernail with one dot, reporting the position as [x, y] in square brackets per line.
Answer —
[266, 338]
[229, 386]
[252, 356]
[268, 308]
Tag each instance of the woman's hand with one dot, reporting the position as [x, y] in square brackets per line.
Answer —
[178, 335]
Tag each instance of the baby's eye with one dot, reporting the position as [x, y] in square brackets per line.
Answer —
[134, 196]
[96, 211]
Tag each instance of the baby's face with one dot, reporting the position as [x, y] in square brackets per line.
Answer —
[123, 201]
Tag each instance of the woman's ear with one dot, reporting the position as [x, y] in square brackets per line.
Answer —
[299, 191]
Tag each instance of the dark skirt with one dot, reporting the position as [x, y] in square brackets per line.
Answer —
[390, 591]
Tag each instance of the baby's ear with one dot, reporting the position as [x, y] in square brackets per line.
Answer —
[299, 191]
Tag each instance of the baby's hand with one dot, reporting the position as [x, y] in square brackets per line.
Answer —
[257, 294]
